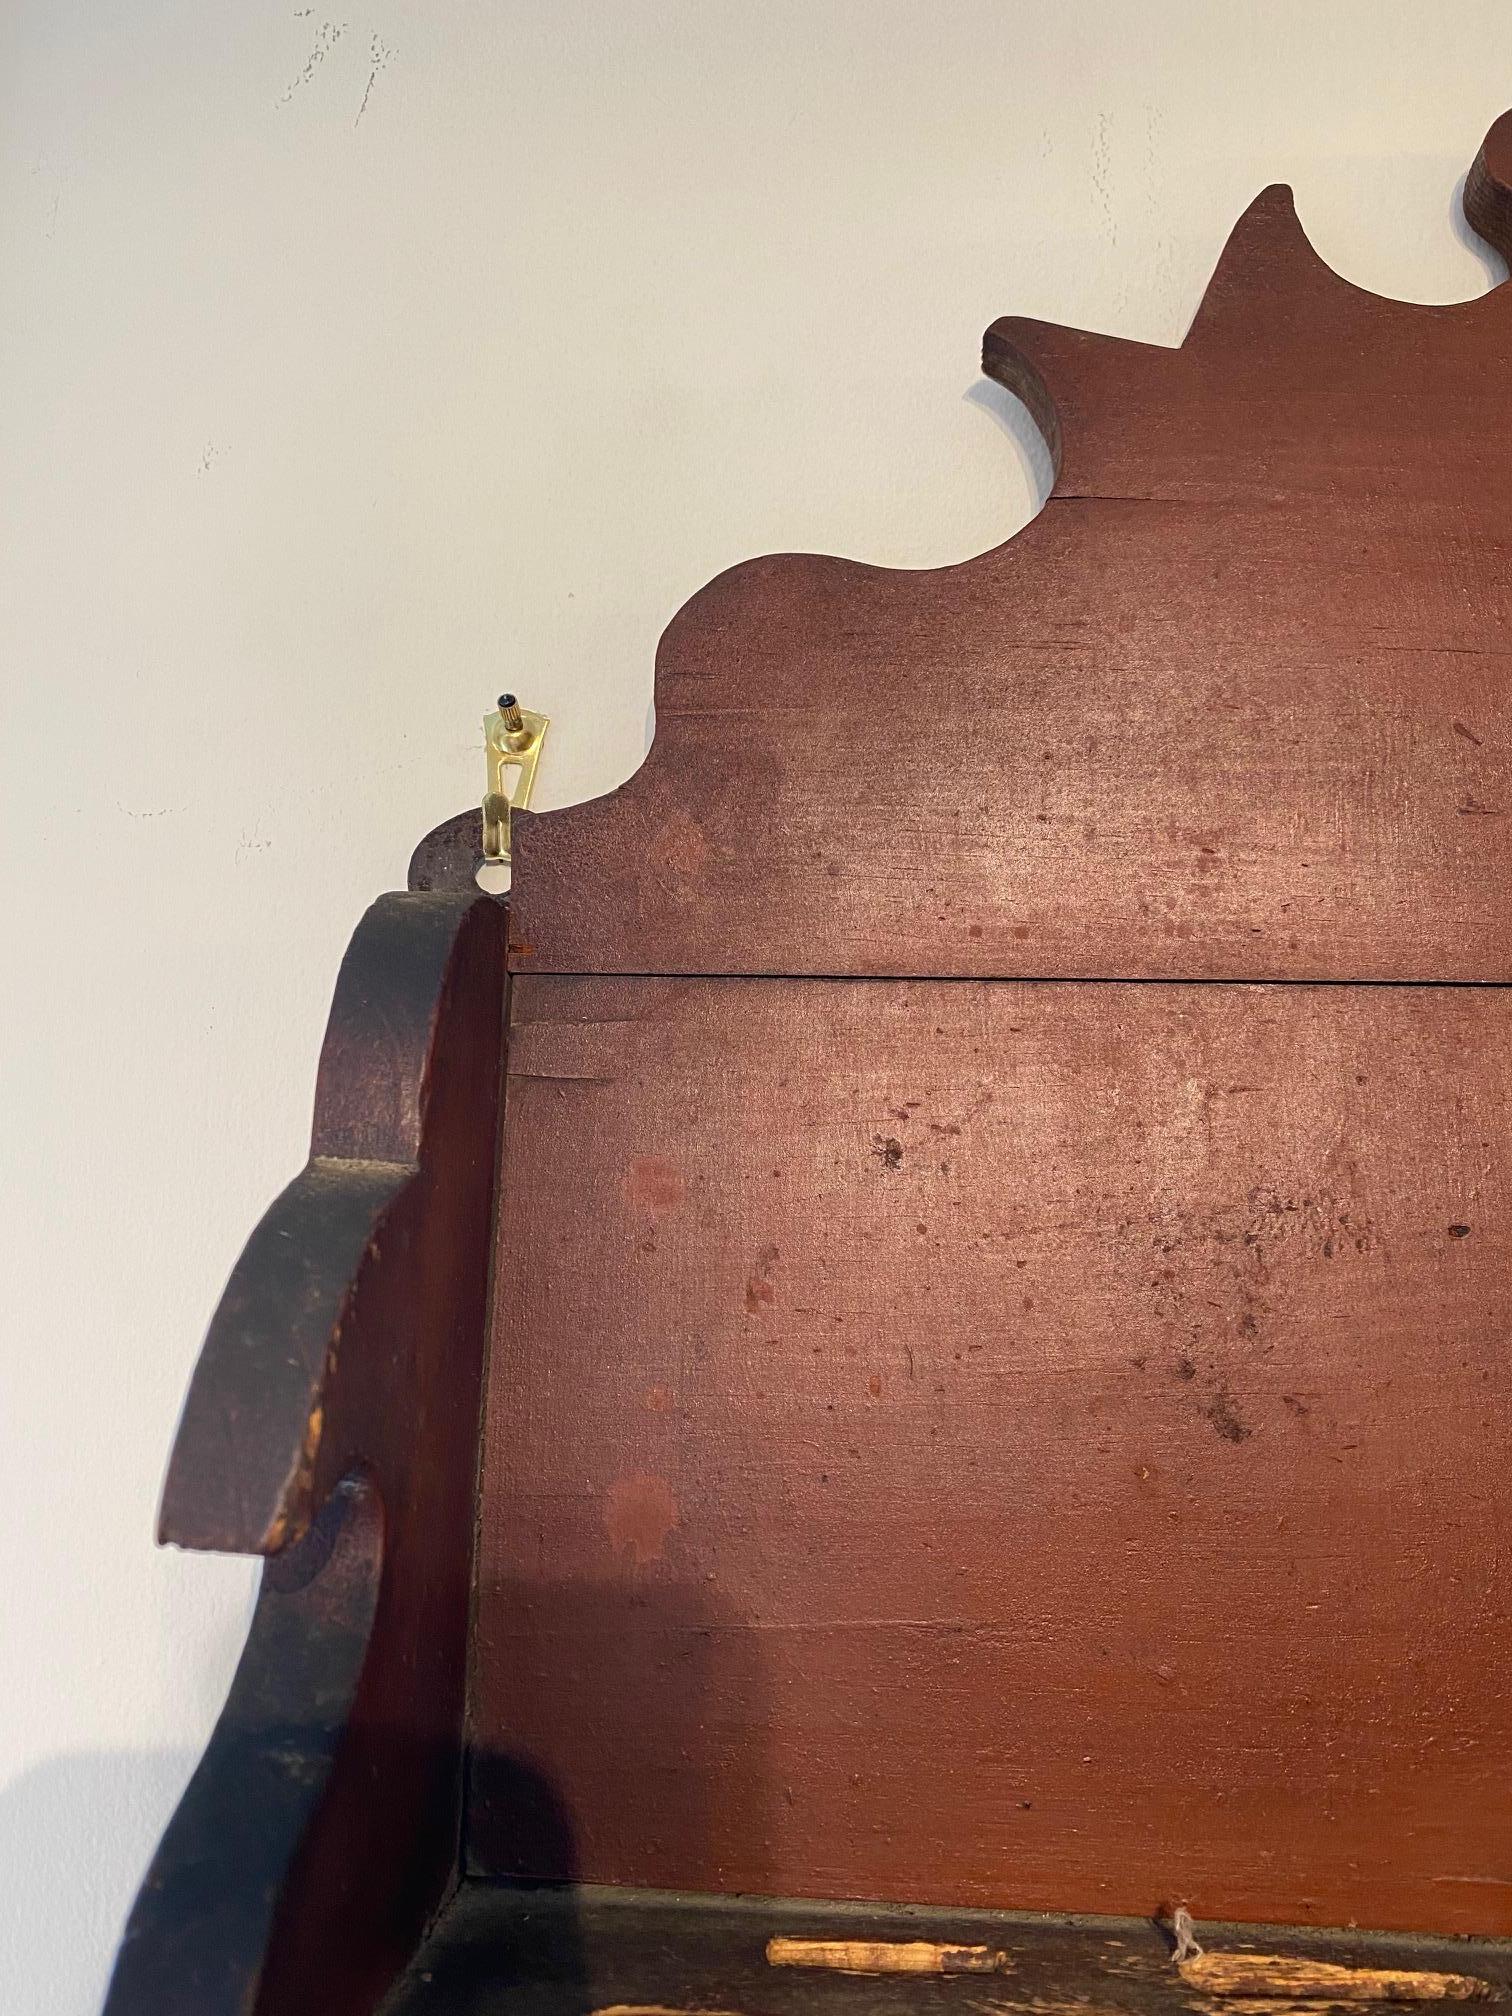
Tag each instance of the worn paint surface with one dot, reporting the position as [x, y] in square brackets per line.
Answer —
[1233, 706]
[348, 1346]
[1102, 1497]
[639, 1513]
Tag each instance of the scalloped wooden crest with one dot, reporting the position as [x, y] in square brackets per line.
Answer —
[1232, 706]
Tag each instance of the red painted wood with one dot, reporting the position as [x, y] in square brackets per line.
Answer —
[1005, 1444]
[1236, 705]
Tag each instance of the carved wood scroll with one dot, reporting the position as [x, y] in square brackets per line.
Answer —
[338, 1393]
[1234, 705]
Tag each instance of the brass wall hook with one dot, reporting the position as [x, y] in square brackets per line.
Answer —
[513, 737]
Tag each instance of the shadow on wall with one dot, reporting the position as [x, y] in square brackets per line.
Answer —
[1012, 415]
[101, 1814]
[644, 1716]
[1495, 265]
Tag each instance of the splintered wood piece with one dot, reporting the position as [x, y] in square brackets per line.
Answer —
[656, 2009]
[1266, 1975]
[886, 1956]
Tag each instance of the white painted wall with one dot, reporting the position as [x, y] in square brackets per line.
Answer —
[356, 359]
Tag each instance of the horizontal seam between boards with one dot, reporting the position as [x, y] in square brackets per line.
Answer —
[990, 979]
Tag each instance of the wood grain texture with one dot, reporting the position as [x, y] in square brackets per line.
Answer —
[348, 1345]
[886, 1956]
[1273, 1977]
[532, 1952]
[1016, 1444]
[1235, 705]
[198, 1937]
[317, 1302]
